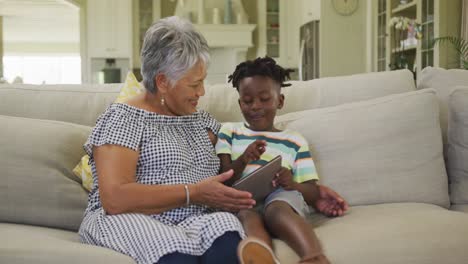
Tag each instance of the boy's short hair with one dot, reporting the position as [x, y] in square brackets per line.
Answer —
[265, 66]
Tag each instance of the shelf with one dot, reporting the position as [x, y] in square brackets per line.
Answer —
[273, 43]
[427, 50]
[410, 8]
[273, 28]
[272, 13]
[427, 22]
[409, 48]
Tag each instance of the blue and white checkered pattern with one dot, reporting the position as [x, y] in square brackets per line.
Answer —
[173, 150]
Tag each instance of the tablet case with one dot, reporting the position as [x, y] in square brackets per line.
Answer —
[258, 183]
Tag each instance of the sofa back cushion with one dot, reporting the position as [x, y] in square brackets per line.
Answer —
[80, 104]
[457, 164]
[384, 150]
[444, 82]
[221, 99]
[36, 182]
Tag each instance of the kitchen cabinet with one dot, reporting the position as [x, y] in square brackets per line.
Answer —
[109, 28]
[279, 28]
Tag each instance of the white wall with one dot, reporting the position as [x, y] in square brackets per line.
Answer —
[343, 47]
[40, 27]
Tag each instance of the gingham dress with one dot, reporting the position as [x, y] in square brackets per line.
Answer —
[172, 150]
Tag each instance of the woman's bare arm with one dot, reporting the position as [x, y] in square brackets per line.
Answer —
[120, 193]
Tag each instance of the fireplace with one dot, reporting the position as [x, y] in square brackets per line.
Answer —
[228, 47]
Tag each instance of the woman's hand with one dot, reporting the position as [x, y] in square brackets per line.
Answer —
[284, 178]
[212, 192]
[253, 151]
[330, 203]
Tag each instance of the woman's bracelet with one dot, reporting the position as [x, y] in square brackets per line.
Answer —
[187, 195]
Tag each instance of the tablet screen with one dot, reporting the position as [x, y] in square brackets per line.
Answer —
[259, 182]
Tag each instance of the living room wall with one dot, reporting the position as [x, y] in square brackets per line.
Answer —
[342, 41]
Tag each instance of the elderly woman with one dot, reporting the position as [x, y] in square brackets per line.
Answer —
[156, 188]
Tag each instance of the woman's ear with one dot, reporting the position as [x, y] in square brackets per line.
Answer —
[162, 83]
[280, 101]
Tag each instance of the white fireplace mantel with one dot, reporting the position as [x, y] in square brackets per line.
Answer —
[228, 47]
[227, 35]
[228, 42]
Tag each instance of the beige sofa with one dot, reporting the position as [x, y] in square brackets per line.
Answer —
[374, 137]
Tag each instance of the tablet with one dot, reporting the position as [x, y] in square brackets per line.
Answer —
[258, 182]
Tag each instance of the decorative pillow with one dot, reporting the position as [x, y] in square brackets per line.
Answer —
[457, 164]
[130, 88]
[37, 186]
[444, 82]
[384, 150]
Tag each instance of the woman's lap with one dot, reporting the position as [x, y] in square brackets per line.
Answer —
[146, 239]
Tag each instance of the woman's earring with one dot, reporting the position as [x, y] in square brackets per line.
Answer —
[162, 101]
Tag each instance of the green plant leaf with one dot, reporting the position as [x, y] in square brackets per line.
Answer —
[460, 45]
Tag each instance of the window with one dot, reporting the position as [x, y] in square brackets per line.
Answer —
[43, 69]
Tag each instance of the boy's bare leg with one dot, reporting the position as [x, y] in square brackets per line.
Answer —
[287, 225]
[254, 226]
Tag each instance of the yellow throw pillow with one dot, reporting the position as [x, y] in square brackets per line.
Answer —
[83, 171]
[130, 88]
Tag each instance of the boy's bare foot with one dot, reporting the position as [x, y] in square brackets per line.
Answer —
[320, 259]
[255, 251]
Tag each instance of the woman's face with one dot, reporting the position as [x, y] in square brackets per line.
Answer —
[182, 98]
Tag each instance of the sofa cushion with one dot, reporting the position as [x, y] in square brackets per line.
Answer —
[459, 208]
[378, 151]
[444, 82]
[220, 100]
[32, 244]
[457, 148]
[80, 104]
[332, 91]
[69, 103]
[390, 233]
[37, 185]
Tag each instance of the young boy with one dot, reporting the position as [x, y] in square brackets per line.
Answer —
[244, 147]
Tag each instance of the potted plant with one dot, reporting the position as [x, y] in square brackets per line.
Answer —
[406, 32]
[460, 45]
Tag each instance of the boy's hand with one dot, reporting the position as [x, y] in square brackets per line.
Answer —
[253, 151]
[330, 203]
[284, 178]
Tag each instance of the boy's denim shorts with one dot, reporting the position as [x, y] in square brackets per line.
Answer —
[293, 198]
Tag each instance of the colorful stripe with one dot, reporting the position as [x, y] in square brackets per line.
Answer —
[234, 138]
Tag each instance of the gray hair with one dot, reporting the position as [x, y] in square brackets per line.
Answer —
[171, 47]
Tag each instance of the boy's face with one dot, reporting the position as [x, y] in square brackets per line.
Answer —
[259, 98]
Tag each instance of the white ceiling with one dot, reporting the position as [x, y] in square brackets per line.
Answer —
[39, 21]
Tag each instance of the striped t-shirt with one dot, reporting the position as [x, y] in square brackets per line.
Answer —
[233, 139]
